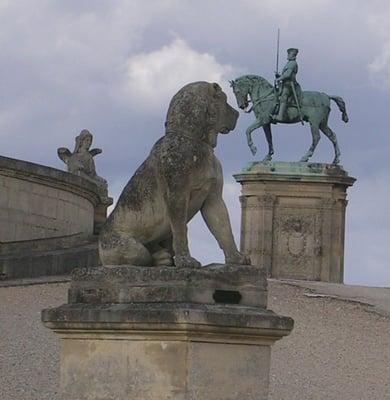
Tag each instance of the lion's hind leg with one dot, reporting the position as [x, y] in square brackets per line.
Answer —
[117, 249]
[162, 253]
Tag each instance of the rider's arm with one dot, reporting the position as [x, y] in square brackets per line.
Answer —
[287, 72]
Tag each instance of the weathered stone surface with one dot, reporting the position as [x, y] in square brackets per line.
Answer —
[293, 218]
[157, 333]
[165, 351]
[180, 177]
[236, 321]
[215, 283]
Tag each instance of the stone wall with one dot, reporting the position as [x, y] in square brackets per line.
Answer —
[48, 220]
[39, 202]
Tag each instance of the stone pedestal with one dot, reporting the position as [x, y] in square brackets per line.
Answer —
[293, 218]
[193, 341]
[100, 214]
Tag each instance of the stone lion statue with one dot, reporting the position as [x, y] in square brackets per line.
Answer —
[180, 177]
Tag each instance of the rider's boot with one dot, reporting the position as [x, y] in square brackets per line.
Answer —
[282, 111]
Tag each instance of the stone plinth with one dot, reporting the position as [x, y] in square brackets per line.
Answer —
[161, 345]
[293, 218]
[213, 284]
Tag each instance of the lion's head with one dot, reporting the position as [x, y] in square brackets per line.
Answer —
[200, 110]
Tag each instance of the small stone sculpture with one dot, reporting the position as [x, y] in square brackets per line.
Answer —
[81, 162]
[180, 177]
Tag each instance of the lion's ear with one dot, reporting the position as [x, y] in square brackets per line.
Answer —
[217, 87]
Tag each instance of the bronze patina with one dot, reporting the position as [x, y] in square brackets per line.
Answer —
[285, 102]
[287, 86]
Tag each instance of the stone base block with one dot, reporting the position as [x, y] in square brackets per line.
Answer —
[212, 284]
[165, 351]
[293, 218]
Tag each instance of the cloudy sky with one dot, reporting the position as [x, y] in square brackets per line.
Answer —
[112, 67]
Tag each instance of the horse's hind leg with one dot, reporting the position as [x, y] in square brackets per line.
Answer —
[332, 137]
[268, 135]
[315, 133]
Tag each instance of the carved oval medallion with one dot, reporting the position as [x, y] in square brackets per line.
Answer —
[296, 243]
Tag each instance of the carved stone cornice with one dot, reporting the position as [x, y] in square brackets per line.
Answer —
[51, 177]
[267, 200]
[263, 201]
[328, 203]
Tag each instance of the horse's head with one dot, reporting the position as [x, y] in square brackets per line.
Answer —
[241, 88]
[250, 88]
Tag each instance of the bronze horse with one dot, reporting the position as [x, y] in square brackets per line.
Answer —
[315, 109]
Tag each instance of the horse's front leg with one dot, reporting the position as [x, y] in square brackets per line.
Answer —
[249, 131]
[268, 135]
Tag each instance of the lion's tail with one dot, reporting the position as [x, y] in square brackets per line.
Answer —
[341, 105]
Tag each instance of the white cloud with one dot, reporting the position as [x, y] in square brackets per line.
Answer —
[154, 77]
[379, 68]
[287, 10]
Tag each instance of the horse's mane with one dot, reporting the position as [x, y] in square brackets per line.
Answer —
[256, 79]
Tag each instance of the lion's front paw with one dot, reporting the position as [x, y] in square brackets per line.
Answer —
[162, 258]
[238, 258]
[186, 262]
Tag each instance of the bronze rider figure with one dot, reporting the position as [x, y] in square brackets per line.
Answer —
[286, 80]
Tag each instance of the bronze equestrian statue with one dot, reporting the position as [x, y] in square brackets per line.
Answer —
[286, 103]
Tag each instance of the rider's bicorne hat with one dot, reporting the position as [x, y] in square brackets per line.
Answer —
[292, 50]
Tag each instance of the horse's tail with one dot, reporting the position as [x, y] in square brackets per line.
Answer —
[341, 105]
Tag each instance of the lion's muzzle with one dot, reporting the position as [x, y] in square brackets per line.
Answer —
[230, 119]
